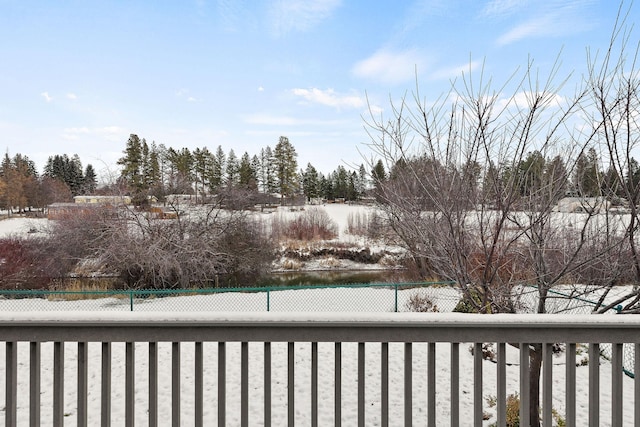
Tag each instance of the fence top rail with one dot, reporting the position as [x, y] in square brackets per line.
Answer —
[309, 327]
[197, 291]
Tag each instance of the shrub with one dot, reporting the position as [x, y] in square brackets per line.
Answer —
[20, 266]
[312, 224]
[421, 304]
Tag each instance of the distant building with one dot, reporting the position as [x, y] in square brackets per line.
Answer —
[103, 200]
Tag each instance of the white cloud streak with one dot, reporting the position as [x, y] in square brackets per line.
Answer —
[299, 15]
[46, 96]
[391, 67]
[330, 98]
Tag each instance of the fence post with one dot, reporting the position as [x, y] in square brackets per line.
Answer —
[130, 300]
[268, 299]
[396, 297]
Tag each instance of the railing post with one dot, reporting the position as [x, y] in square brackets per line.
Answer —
[34, 384]
[396, 298]
[268, 299]
[58, 383]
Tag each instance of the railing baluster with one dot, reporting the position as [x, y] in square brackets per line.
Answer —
[129, 394]
[361, 380]
[175, 384]
[570, 385]
[267, 384]
[11, 385]
[337, 388]
[153, 384]
[83, 371]
[594, 385]
[547, 384]
[222, 384]
[34, 384]
[501, 395]
[408, 384]
[616, 385]
[384, 384]
[455, 384]
[105, 393]
[524, 383]
[244, 384]
[431, 384]
[477, 384]
[58, 384]
[291, 382]
[198, 385]
[314, 384]
[636, 385]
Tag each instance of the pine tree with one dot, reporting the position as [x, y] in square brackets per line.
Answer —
[131, 162]
[286, 167]
[310, 183]
[246, 173]
[216, 179]
[231, 169]
[90, 181]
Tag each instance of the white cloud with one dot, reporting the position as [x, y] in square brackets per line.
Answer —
[502, 7]
[299, 15]
[557, 18]
[72, 96]
[523, 100]
[538, 27]
[46, 96]
[260, 89]
[391, 67]
[330, 98]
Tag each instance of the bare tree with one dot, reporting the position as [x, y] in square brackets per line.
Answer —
[475, 178]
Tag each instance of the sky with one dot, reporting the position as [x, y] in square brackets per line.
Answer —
[78, 77]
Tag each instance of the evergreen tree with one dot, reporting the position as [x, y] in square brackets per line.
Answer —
[216, 180]
[267, 176]
[310, 182]
[90, 181]
[202, 163]
[132, 162]
[587, 174]
[286, 167]
[246, 173]
[232, 169]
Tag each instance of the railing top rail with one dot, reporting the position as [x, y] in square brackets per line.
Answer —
[306, 327]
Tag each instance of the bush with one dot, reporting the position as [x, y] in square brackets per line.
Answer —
[421, 304]
[312, 224]
[20, 266]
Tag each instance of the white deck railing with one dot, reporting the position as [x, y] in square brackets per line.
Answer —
[213, 334]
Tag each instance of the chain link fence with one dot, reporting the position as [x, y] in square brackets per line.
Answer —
[371, 297]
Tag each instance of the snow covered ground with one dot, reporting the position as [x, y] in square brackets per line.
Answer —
[308, 300]
[279, 379]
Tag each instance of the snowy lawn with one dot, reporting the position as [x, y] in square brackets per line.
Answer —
[279, 379]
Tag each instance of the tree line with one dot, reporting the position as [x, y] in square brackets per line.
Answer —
[157, 171]
[22, 188]
[152, 171]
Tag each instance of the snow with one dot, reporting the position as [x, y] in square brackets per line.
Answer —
[303, 368]
[361, 305]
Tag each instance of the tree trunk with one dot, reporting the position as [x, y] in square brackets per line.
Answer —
[535, 366]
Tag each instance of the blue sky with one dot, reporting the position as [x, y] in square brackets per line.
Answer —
[80, 76]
